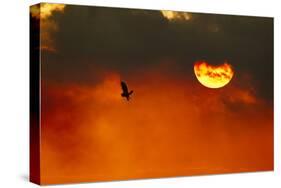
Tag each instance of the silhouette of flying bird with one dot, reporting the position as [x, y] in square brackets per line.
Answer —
[125, 90]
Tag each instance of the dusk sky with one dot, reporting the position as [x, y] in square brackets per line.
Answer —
[173, 125]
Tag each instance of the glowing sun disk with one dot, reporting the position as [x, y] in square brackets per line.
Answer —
[213, 76]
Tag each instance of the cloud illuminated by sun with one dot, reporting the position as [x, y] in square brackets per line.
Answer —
[48, 26]
[45, 10]
[173, 15]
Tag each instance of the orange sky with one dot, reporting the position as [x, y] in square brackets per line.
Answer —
[171, 127]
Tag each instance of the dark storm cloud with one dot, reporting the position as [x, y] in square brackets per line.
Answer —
[91, 39]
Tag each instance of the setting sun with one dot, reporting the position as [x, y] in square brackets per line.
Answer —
[213, 76]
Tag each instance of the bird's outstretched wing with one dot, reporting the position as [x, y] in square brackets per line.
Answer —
[124, 87]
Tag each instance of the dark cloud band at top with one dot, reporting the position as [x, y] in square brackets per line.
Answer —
[125, 40]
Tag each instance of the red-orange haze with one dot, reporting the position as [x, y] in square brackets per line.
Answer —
[171, 127]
